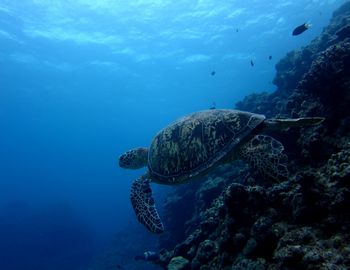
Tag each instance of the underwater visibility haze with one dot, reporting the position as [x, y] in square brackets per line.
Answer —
[83, 81]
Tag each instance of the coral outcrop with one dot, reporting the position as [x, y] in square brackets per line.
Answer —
[236, 220]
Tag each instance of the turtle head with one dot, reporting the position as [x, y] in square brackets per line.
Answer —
[134, 159]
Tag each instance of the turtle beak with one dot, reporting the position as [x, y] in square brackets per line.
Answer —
[124, 161]
[134, 159]
[128, 160]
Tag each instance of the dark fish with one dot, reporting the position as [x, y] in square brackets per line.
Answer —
[270, 57]
[252, 63]
[300, 29]
[237, 30]
[213, 73]
[213, 107]
[118, 266]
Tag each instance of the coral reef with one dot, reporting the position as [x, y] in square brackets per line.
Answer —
[179, 263]
[235, 220]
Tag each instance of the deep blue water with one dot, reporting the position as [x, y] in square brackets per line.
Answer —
[82, 81]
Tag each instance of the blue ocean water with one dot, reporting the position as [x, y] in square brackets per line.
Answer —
[83, 81]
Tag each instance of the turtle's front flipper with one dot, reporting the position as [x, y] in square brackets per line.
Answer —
[265, 154]
[144, 206]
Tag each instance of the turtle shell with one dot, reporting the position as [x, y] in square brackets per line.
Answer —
[195, 143]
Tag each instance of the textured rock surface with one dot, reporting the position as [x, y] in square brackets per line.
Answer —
[179, 263]
[236, 220]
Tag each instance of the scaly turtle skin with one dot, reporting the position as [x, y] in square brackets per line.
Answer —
[199, 142]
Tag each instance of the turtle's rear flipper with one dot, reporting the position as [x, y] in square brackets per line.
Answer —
[295, 122]
[144, 206]
[265, 154]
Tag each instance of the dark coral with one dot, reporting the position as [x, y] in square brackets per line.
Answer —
[238, 221]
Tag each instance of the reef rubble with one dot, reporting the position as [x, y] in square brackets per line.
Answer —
[236, 220]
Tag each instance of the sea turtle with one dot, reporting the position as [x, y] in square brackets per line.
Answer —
[191, 146]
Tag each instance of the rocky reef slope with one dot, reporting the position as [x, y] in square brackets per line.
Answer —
[236, 220]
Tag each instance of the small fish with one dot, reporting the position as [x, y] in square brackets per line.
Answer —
[300, 29]
[212, 73]
[237, 30]
[118, 266]
[270, 57]
[252, 63]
